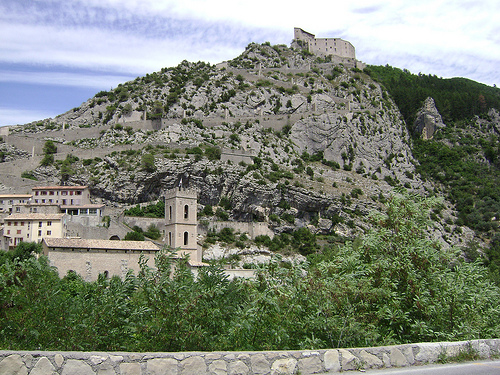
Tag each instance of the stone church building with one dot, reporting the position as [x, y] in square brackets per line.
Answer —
[89, 258]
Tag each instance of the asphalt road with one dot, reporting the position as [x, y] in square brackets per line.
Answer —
[468, 368]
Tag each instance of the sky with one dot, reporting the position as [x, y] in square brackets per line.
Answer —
[56, 54]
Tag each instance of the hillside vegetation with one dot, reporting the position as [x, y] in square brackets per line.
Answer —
[463, 159]
[326, 155]
[390, 286]
[456, 98]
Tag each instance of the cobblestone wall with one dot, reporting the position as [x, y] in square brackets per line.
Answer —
[277, 362]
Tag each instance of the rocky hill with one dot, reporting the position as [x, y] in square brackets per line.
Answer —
[283, 136]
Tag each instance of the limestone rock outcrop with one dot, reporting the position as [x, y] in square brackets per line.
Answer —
[428, 120]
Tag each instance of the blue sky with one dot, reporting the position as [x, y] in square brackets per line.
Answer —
[55, 54]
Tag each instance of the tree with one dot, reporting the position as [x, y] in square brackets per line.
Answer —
[493, 258]
[152, 232]
[134, 236]
[49, 148]
[66, 171]
[148, 163]
[47, 160]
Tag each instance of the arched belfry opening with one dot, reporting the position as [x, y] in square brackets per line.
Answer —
[181, 224]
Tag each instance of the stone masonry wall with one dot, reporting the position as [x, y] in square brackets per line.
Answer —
[277, 362]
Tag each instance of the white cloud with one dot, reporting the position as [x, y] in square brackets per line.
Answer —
[96, 81]
[9, 116]
[94, 48]
[121, 39]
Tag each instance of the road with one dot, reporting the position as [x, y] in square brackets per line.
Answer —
[469, 368]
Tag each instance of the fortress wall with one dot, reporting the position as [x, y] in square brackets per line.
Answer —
[145, 222]
[251, 228]
[266, 362]
[78, 230]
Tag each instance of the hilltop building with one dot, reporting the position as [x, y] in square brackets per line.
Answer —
[336, 49]
[324, 46]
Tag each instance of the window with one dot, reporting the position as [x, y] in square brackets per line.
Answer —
[64, 193]
[169, 238]
[8, 223]
[186, 211]
[8, 231]
[78, 193]
[18, 209]
[92, 211]
[170, 209]
[18, 231]
[49, 223]
[49, 232]
[51, 193]
[22, 223]
[39, 233]
[34, 210]
[11, 202]
[186, 238]
[15, 223]
[39, 224]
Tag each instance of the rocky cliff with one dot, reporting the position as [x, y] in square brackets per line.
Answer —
[327, 143]
[428, 120]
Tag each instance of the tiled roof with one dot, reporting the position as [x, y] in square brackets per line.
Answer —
[77, 243]
[58, 187]
[82, 206]
[5, 196]
[34, 217]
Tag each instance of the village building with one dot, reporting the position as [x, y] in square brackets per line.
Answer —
[86, 214]
[33, 227]
[8, 201]
[62, 195]
[89, 258]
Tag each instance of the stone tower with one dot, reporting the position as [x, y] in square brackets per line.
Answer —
[181, 230]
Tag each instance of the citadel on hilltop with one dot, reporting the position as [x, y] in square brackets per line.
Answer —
[337, 49]
[324, 46]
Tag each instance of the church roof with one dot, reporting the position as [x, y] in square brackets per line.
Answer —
[78, 243]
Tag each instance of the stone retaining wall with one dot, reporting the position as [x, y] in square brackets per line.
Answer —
[277, 362]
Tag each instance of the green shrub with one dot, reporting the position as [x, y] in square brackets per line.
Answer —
[134, 236]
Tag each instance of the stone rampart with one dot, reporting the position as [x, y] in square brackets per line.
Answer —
[271, 362]
[253, 229]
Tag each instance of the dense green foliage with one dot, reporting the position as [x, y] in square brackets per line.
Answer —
[456, 98]
[464, 156]
[152, 210]
[474, 187]
[392, 285]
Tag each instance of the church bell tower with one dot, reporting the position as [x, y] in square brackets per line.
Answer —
[181, 230]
